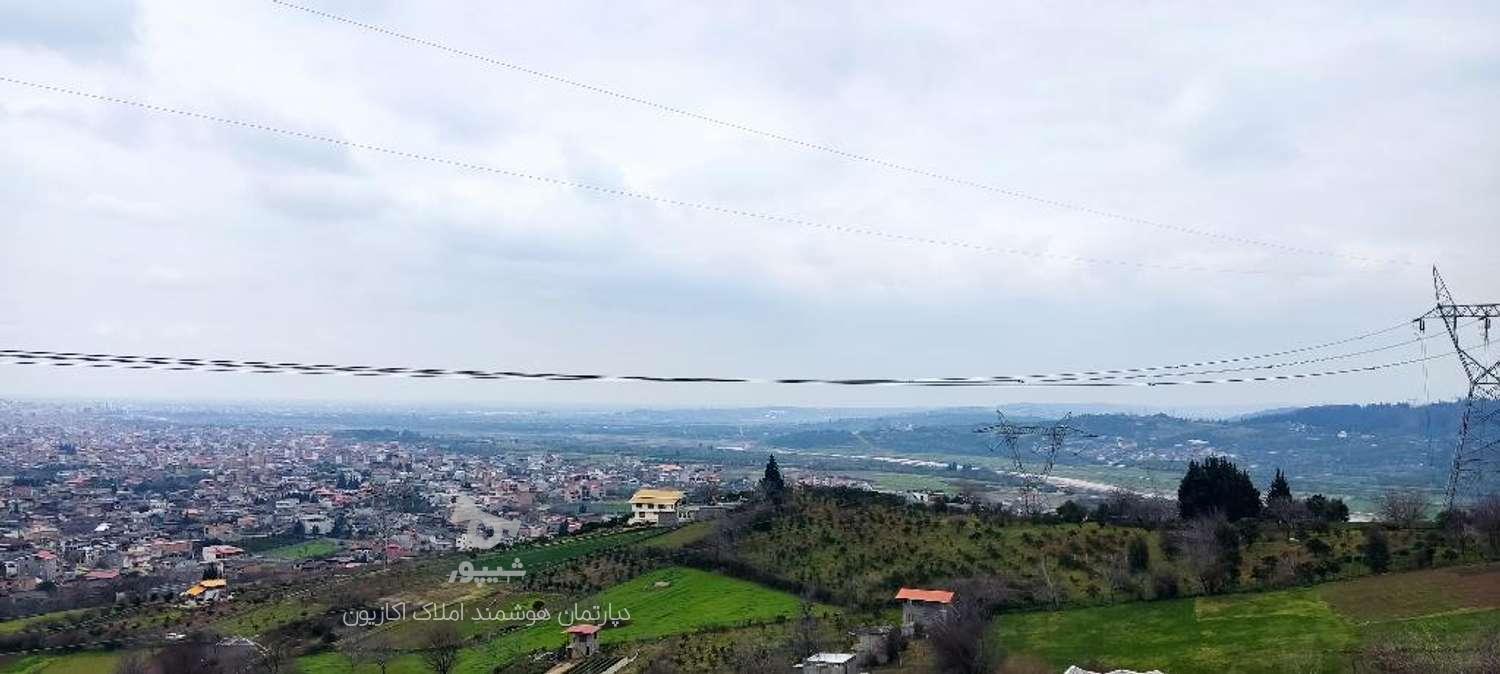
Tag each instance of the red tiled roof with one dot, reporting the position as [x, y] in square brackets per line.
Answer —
[939, 596]
[582, 629]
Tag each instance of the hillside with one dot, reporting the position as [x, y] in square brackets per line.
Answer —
[1449, 615]
[858, 548]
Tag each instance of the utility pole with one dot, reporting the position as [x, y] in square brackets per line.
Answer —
[1479, 432]
[1009, 435]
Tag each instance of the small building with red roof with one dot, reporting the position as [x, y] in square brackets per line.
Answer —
[583, 640]
[923, 607]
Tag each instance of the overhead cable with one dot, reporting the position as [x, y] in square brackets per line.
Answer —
[825, 148]
[631, 194]
[131, 362]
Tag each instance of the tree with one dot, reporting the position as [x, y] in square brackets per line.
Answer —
[1486, 520]
[374, 649]
[1402, 507]
[1280, 489]
[276, 658]
[1327, 510]
[1140, 554]
[807, 628]
[1377, 550]
[772, 485]
[1071, 512]
[440, 648]
[133, 663]
[1217, 485]
[959, 640]
[1211, 547]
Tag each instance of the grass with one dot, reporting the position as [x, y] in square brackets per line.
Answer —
[1307, 629]
[20, 624]
[92, 662]
[686, 535]
[313, 549]
[269, 616]
[546, 554]
[693, 601]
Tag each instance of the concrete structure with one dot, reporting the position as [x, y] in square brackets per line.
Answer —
[829, 663]
[583, 640]
[205, 591]
[872, 644]
[658, 507]
[923, 607]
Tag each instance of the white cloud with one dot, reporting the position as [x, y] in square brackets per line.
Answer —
[1363, 130]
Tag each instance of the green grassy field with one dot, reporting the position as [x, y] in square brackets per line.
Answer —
[20, 624]
[689, 534]
[313, 549]
[694, 600]
[71, 663]
[1304, 629]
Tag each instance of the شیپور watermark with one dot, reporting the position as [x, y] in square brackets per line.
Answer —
[466, 573]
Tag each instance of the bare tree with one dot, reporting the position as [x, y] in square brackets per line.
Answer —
[276, 658]
[807, 628]
[960, 640]
[374, 649]
[1402, 507]
[1211, 549]
[441, 647]
[1486, 521]
[133, 663]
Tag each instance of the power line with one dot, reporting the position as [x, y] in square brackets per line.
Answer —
[828, 149]
[1247, 368]
[1222, 361]
[1079, 377]
[711, 208]
[131, 362]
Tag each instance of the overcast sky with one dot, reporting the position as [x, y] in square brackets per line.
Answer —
[1367, 130]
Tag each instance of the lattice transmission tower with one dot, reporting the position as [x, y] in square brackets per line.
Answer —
[1035, 463]
[1479, 430]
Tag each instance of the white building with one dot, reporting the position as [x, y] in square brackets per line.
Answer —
[658, 507]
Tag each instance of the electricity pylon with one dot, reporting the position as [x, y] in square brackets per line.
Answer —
[1009, 435]
[1479, 432]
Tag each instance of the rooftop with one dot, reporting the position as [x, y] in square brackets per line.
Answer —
[669, 496]
[913, 594]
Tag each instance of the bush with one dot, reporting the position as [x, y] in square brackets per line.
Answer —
[1140, 554]
[1377, 550]
[1166, 585]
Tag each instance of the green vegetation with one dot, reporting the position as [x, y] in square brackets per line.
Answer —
[313, 549]
[539, 556]
[1304, 629]
[680, 537]
[690, 601]
[71, 663]
[693, 600]
[20, 624]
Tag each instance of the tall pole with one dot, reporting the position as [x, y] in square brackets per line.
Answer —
[1479, 429]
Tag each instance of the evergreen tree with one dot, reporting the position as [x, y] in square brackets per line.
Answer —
[1377, 550]
[1217, 485]
[1325, 509]
[772, 485]
[1279, 488]
[1139, 555]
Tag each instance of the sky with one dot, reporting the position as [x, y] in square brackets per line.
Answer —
[1360, 134]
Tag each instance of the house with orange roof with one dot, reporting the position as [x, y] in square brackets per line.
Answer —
[583, 640]
[923, 607]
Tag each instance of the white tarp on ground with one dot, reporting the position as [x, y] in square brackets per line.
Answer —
[1075, 669]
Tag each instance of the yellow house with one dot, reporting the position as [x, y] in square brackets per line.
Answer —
[659, 507]
[212, 589]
